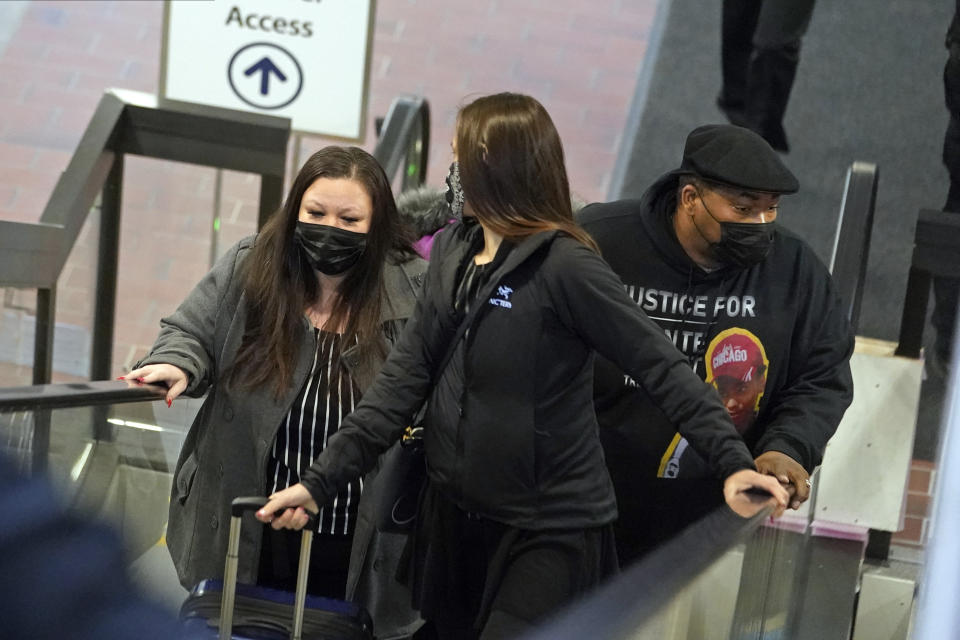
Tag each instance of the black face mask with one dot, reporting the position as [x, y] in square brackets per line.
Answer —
[742, 244]
[329, 250]
[454, 194]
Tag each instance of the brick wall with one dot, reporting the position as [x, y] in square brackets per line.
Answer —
[916, 522]
[579, 57]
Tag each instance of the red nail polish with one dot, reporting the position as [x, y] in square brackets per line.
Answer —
[169, 403]
[121, 378]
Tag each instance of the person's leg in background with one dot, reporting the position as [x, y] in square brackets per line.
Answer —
[773, 66]
[739, 21]
[946, 291]
[760, 52]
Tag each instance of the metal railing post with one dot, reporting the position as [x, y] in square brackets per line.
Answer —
[215, 225]
[40, 442]
[43, 335]
[271, 195]
[914, 315]
[105, 304]
[42, 372]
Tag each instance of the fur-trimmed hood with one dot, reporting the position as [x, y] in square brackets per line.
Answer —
[424, 210]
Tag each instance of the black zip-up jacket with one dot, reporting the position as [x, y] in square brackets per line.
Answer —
[524, 449]
[786, 306]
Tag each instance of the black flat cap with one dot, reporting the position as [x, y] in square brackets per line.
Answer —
[736, 157]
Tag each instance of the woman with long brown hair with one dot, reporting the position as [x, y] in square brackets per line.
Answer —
[284, 335]
[516, 516]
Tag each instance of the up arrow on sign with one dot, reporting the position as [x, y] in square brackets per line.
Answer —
[265, 67]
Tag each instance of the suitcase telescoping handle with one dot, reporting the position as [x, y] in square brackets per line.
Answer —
[237, 509]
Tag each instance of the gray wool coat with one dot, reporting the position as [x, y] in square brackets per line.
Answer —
[225, 452]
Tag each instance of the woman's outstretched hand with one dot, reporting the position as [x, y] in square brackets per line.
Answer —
[745, 480]
[293, 501]
[173, 377]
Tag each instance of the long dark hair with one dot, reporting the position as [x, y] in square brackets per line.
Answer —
[280, 284]
[512, 168]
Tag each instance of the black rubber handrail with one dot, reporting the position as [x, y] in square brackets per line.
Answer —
[78, 394]
[621, 606]
[404, 143]
[851, 247]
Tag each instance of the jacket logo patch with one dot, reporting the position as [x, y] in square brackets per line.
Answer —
[504, 298]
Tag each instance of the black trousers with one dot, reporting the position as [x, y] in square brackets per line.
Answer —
[760, 50]
[478, 578]
[329, 562]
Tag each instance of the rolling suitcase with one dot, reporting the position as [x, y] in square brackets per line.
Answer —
[229, 611]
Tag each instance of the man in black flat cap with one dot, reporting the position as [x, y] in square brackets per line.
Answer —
[752, 308]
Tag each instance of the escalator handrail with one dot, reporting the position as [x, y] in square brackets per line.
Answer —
[407, 117]
[79, 394]
[851, 247]
[619, 607]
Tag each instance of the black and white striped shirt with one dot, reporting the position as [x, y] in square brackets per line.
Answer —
[328, 395]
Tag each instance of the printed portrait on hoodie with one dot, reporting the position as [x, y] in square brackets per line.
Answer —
[736, 366]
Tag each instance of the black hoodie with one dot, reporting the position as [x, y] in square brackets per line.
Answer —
[775, 332]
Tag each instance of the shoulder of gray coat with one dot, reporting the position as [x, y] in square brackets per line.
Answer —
[402, 282]
[235, 253]
[246, 244]
[414, 268]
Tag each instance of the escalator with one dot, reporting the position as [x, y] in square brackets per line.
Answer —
[111, 449]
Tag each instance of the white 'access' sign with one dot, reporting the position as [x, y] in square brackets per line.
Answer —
[307, 60]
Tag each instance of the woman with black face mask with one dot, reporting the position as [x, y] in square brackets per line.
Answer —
[284, 335]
